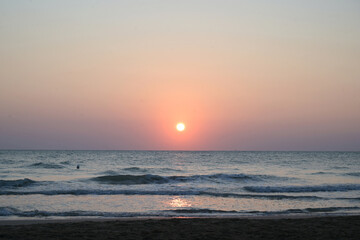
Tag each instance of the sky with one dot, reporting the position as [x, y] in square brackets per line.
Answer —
[119, 75]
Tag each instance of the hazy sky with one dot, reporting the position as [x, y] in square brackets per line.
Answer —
[242, 75]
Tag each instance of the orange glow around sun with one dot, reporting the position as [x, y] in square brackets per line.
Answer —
[180, 127]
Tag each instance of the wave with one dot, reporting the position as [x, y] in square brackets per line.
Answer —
[135, 169]
[11, 211]
[16, 183]
[353, 174]
[200, 210]
[312, 210]
[109, 172]
[46, 165]
[131, 179]
[170, 170]
[321, 173]
[156, 179]
[139, 170]
[288, 211]
[292, 189]
[167, 193]
[8, 161]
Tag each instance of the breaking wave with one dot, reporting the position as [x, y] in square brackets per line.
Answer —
[288, 211]
[131, 179]
[292, 189]
[162, 193]
[16, 183]
[156, 179]
[11, 211]
[311, 210]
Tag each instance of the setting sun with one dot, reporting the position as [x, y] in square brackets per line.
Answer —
[180, 127]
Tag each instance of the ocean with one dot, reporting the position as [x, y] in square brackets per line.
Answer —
[107, 184]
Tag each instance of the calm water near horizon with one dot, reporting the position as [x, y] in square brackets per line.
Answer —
[47, 184]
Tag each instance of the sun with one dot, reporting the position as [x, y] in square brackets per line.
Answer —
[180, 127]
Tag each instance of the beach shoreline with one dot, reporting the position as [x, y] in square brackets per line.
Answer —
[254, 227]
[45, 220]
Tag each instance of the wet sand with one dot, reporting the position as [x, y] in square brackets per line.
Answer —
[342, 227]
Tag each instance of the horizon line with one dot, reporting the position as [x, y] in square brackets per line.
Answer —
[163, 150]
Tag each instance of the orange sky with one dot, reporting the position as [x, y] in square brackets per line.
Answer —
[242, 75]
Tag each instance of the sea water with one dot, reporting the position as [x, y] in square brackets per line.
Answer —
[48, 184]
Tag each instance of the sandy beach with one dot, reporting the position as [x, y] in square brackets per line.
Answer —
[339, 227]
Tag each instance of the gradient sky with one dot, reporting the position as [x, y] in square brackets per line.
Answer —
[242, 75]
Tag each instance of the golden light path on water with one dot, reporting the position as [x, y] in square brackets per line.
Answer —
[179, 202]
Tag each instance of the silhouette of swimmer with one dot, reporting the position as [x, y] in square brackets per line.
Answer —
[78, 166]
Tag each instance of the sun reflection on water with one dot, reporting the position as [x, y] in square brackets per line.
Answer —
[179, 202]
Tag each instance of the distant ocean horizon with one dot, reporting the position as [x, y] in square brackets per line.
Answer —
[171, 150]
[171, 183]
